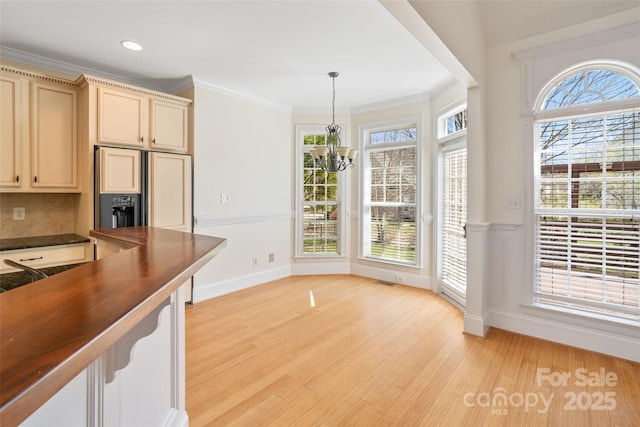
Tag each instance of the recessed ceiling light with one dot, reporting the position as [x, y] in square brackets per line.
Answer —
[131, 45]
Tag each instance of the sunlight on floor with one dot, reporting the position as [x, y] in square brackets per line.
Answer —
[312, 301]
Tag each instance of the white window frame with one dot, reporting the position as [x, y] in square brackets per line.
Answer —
[365, 149]
[569, 113]
[441, 126]
[300, 132]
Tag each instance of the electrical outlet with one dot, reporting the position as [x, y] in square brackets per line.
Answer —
[513, 203]
[19, 214]
[225, 198]
[272, 257]
[399, 278]
[254, 260]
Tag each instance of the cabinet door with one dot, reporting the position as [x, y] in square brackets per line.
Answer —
[168, 126]
[120, 118]
[11, 175]
[54, 146]
[170, 191]
[119, 171]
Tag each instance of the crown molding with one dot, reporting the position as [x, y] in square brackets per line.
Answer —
[392, 103]
[86, 79]
[320, 111]
[600, 37]
[37, 75]
[182, 84]
[201, 83]
[71, 70]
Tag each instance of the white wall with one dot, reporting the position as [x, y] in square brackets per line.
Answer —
[242, 148]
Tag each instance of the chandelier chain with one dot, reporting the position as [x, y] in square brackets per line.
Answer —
[333, 102]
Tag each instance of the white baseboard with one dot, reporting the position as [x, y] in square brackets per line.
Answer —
[475, 325]
[176, 418]
[564, 333]
[390, 275]
[216, 289]
[311, 268]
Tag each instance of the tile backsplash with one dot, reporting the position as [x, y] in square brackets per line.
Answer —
[45, 214]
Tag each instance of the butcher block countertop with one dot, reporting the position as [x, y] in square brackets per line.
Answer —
[54, 328]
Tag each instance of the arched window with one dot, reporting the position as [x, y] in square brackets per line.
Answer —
[587, 87]
[587, 191]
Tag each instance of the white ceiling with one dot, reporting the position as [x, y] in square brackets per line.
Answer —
[276, 51]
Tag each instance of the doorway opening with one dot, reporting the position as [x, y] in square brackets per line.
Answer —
[452, 194]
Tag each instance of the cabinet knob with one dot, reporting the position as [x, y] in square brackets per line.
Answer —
[35, 179]
[17, 178]
[154, 140]
[142, 139]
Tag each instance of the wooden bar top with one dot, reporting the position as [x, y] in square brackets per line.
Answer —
[54, 328]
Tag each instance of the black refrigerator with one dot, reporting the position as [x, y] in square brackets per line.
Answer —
[121, 209]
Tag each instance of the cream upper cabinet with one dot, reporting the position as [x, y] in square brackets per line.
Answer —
[168, 123]
[54, 146]
[170, 191]
[146, 121]
[121, 117]
[38, 134]
[119, 170]
[11, 174]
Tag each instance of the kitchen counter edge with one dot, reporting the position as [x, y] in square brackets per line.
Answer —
[52, 372]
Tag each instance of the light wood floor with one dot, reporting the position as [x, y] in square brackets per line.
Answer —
[369, 354]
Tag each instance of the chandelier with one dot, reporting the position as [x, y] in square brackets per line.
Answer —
[333, 157]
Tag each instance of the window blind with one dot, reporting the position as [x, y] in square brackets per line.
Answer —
[454, 244]
[389, 220]
[587, 212]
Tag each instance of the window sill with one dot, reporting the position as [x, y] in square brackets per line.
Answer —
[392, 263]
[319, 257]
[582, 314]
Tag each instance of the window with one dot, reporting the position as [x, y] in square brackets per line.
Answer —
[587, 192]
[390, 209]
[453, 123]
[320, 216]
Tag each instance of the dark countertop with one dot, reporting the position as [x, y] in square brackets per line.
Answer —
[41, 241]
[10, 281]
[52, 329]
